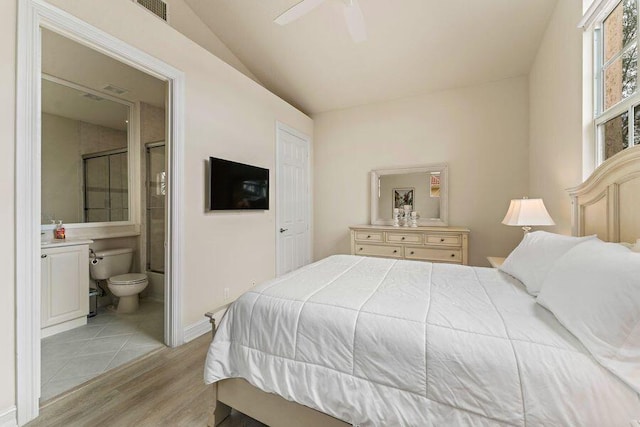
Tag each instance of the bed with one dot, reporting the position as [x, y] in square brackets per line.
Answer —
[364, 341]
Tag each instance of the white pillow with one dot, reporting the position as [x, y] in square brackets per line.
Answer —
[532, 259]
[594, 291]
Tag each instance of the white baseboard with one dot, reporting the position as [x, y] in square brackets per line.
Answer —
[8, 417]
[63, 327]
[196, 330]
[202, 327]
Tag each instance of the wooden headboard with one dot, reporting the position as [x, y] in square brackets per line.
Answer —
[608, 202]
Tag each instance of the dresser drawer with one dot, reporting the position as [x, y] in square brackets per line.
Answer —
[444, 239]
[429, 254]
[379, 250]
[369, 236]
[413, 238]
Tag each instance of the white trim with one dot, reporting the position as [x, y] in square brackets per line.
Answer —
[27, 206]
[32, 15]
[196, 330]
[174, 246]
[307, 139]
[203, 326]
[596, 12]
[8, 417]
[63, 327]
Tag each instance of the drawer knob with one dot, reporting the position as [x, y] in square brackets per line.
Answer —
[412, 252]
[368, 237]
[453, 255]
[43, 256]
[360, 249]
[402, 238]
[442, 240]
[395, 251]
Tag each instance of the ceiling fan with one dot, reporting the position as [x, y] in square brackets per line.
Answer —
[352, 15]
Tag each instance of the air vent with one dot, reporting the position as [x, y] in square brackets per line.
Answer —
[157, 7]
[92, 97]
[115, 89]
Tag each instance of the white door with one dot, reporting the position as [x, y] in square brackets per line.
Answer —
[293, 197]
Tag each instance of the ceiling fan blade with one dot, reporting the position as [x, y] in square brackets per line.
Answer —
[355, 21]
[296, 11]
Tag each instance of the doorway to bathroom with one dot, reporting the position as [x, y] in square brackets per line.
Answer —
[104, 176]
[34, 19]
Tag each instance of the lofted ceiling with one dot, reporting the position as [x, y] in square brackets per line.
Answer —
[413, 46]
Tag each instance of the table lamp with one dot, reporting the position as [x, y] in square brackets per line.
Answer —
[527, 212]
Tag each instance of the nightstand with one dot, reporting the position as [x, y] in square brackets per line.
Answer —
[495, 261]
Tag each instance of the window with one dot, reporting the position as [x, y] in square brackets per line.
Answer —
[616, 81]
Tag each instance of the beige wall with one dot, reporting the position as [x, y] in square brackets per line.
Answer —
[61, 170]
[480, 131]
[95, 138]
[227, 115]
[556, 141]
[185, 20]
[7, 195]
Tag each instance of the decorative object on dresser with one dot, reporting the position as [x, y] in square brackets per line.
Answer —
[435, 244]
[422, 189]
[527, 212]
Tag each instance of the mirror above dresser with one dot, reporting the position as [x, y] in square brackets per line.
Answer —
[423, 236]
[423, 188]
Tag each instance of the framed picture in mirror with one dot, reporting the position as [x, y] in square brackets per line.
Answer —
[402, 197]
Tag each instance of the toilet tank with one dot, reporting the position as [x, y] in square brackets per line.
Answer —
[110, 262]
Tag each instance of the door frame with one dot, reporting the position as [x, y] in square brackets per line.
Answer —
[281, 127]
[32, 16]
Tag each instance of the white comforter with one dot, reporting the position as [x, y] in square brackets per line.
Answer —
[384, 342]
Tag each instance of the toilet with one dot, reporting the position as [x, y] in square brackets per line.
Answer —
[113, 265]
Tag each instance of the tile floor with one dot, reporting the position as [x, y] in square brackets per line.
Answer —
[106, 342]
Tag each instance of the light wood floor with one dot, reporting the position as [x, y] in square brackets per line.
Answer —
[165, 388]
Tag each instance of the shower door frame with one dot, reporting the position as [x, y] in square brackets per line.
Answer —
[148, 146]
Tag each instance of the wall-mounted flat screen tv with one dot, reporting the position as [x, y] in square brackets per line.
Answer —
[237, 186]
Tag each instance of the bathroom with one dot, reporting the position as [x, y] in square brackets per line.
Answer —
[104, 181]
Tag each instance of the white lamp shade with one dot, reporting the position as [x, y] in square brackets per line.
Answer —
[526, 212]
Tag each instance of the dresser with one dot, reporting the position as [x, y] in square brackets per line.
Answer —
[434, 244]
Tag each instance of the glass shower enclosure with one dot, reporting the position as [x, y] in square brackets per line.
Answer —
[156, 195]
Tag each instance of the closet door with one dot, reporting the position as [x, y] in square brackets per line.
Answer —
[293, 200]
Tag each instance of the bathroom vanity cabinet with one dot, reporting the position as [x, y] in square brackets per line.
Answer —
[65, 286]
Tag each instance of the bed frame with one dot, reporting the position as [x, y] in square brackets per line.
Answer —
[268, 408]
[608, 202]
[597, 208]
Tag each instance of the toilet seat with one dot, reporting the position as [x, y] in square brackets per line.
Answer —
[128, 279]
